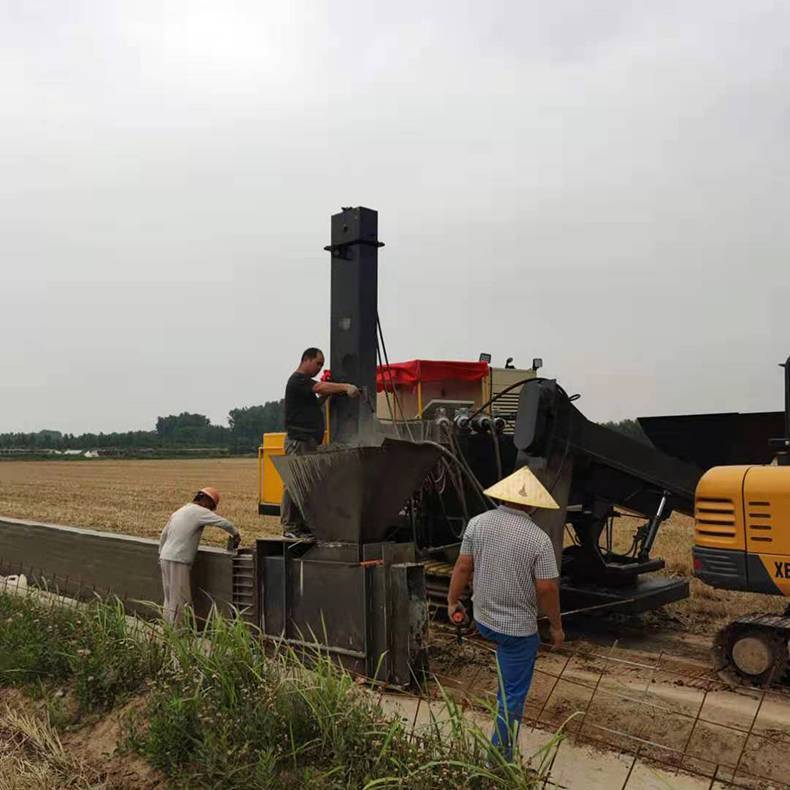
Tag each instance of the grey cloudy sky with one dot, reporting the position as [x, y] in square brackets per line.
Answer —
[601, 184]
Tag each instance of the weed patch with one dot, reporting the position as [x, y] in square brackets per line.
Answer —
[96, 647]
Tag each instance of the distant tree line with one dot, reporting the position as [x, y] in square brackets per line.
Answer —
[245, 427]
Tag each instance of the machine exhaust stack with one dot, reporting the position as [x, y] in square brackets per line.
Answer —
[354, 311]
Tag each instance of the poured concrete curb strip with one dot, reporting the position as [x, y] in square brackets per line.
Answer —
[76, 561]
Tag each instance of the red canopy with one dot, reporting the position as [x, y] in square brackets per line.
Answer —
[408, 374]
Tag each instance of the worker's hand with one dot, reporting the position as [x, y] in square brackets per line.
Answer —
[235, 541]
[457, 614]
[352, 390]
[557, 635]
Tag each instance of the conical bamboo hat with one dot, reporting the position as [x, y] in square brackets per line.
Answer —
[523, 488]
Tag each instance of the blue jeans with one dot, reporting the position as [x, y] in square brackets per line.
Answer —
[515, 657]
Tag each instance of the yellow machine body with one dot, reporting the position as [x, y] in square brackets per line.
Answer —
[742, 529]
[270, 484]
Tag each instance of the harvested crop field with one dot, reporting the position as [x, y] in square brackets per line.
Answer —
[132, 497]
[136, 497]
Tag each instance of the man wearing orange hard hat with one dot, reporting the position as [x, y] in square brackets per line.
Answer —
[178, 547]
[510, 561]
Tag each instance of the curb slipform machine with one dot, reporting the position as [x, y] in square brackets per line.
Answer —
[388, 496]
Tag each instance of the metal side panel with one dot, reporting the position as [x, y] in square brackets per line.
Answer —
[709, 440]
[212, 580]
[378, 618]
[326, 603]
[408, 624]
[272, 595]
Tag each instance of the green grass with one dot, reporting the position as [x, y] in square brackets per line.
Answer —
[222, 711]
[95, 647]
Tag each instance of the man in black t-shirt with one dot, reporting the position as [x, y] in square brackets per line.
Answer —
[304, 425]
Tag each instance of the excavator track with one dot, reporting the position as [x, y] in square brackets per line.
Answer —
[754, 649]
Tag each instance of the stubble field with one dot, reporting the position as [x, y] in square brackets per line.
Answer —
[131, 497]
[136, 497]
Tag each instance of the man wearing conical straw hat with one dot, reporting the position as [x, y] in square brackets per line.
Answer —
[510, 561]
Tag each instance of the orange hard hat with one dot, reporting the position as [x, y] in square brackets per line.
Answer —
[211, 493]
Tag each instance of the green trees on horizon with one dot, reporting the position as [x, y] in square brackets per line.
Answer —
[246, 425]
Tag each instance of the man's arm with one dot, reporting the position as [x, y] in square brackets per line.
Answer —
[327, 388]
[548, 591]
[462, 575]
[211, 519]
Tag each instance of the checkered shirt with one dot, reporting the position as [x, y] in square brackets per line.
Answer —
[509, 551]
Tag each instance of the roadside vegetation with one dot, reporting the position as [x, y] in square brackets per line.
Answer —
[215, 709]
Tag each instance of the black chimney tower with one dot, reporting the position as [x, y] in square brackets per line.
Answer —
[354, 310]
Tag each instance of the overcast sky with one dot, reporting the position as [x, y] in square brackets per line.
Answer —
[605, 185]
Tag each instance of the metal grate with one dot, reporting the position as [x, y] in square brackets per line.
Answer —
[760, 528]
[715, 517]
[506, 406]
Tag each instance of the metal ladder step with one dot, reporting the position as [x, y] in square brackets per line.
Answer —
[243, 586]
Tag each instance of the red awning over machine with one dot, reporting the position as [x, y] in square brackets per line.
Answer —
[408, 374]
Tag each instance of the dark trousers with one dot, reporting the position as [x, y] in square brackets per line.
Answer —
[515, 656]
[290, 515]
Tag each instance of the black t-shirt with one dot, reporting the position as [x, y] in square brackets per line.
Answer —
[303, 416]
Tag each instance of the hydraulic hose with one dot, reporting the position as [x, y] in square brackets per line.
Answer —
[497, 454]
[466, 470]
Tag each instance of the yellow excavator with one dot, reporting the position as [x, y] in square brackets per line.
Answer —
[742, 542]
